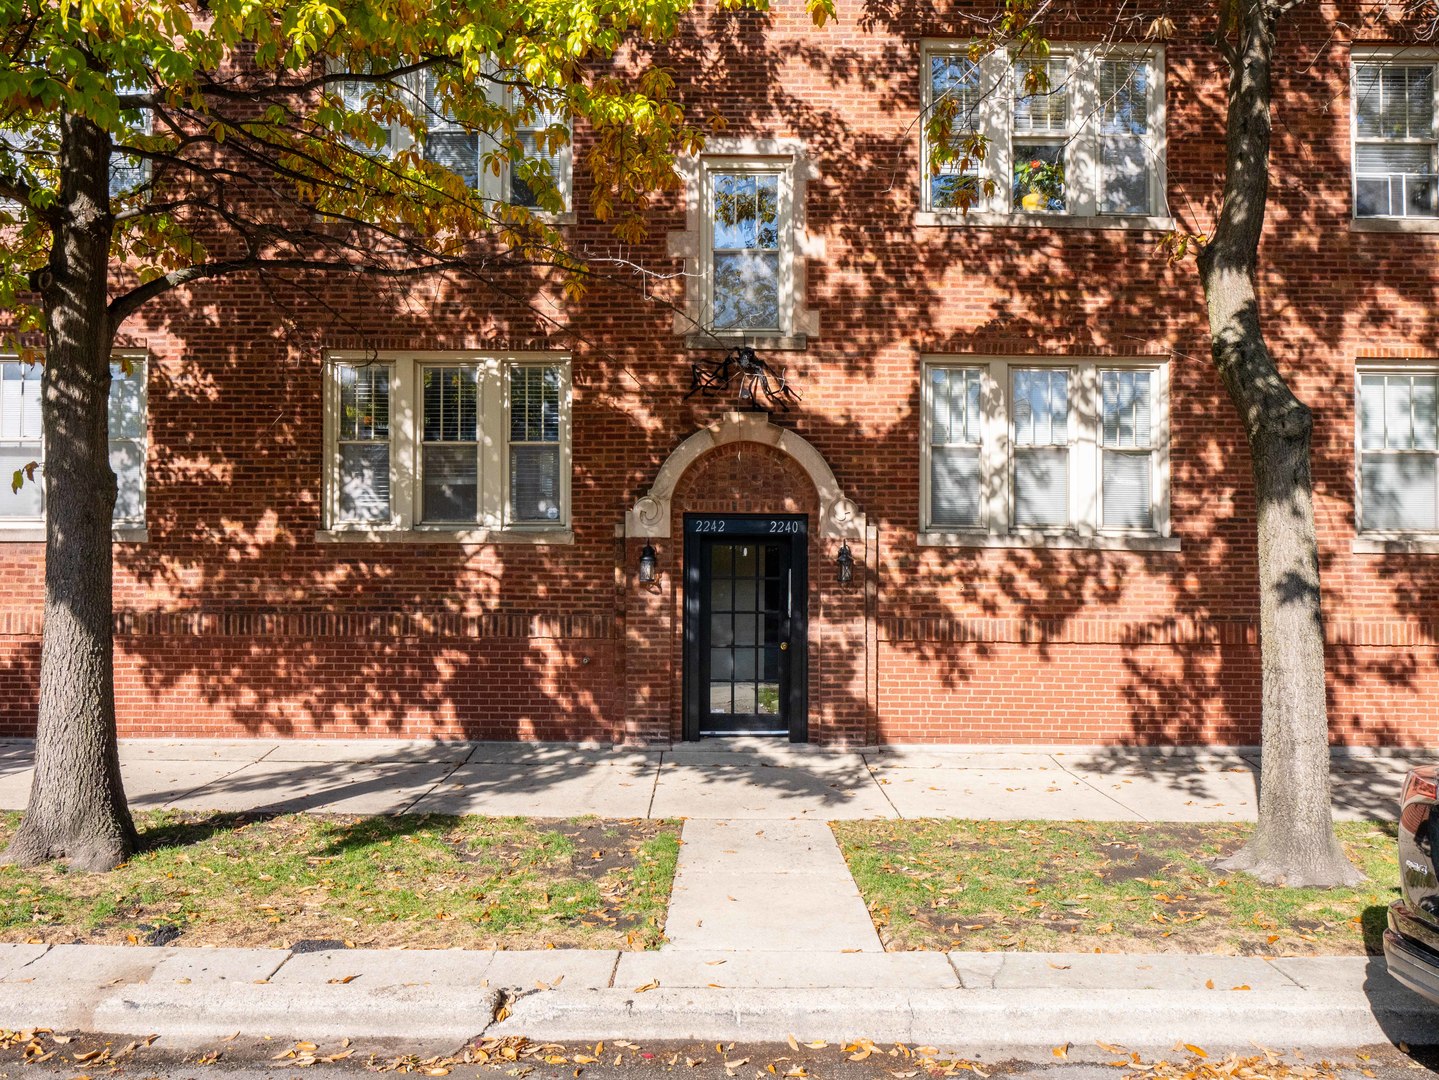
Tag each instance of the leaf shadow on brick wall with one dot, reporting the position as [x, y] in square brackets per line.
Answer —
[235, 611]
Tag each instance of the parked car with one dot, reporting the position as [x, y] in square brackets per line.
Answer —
[1411, 944]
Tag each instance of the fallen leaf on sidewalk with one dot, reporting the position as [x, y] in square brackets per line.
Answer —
[1061, 1052]
[647, 986]
[1209, 984]
[345, 981]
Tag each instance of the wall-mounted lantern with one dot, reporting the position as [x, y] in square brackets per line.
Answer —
[649, 565]
[844, 565]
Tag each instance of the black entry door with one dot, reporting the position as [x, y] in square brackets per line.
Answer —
[745, 632]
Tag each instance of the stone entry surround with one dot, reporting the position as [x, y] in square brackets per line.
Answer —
[744, 464]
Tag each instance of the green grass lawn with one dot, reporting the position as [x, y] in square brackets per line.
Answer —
[424, 881]
[1115, 887]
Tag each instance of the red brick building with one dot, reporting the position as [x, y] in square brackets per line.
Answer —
[423, 511]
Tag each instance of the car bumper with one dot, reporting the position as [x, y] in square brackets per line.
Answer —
[1412, 964]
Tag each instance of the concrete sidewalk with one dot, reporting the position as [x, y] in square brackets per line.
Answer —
[716, 780]
[767, 933]
[957, 1001]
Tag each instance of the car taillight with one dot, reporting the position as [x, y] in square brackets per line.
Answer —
[1421, 787]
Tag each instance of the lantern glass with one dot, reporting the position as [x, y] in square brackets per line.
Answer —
[648, 565]
[844, 565]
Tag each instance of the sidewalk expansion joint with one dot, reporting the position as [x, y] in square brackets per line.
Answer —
[425, 794]
[655, 787]
[1096, 788]
[869, 770]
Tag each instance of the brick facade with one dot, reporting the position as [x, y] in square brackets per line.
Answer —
[233, 619]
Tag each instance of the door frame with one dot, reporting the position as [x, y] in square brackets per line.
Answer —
[763, 528]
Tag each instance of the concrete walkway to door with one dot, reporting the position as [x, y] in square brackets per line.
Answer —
[718, 780]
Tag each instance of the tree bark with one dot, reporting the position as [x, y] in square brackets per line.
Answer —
[77, 805]
[1294, 843]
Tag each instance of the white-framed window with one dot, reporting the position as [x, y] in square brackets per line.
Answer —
[1077, 134]
[445, 443]
[1395, 117]
[547, 139]
[748, 263]
[1042, 451]
[22, 512]
[1397, 449]
[543, 135]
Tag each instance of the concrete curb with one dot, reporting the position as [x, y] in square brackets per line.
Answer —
[439, 999]
[1018, 1020]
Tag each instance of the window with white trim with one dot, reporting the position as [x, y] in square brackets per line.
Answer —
[546, 139]
[1396, 171]
[1398, 450]
[1079, 132]
[748, 266]
[21, 444]
[539, 178]
[439, 442]
[1032, 449]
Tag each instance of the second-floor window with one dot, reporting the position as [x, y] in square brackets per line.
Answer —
[748, 268]
[1079, 133]
[538, 173]
[1396, 172]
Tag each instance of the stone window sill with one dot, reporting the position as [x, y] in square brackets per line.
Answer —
[1396, 544]
[1394, 225]
[35, 534]
[445, 536]
[988, 219]
[725, 342]
[1090, 542]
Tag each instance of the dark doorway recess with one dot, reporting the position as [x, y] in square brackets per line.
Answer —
[746, 633]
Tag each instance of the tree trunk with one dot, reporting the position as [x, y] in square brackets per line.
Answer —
[77, 803]
[1294, 843]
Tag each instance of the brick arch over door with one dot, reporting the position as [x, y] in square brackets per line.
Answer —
[836, 517]
[745, 465]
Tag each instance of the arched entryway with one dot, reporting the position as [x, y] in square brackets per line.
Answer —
[747, 629]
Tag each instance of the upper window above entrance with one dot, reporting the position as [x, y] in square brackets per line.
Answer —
[746, 252]
[744, 246]
[748, 259]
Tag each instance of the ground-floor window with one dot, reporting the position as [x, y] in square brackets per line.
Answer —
[22, 504]
[1398, 449]
[1019, 448]
[447, 442]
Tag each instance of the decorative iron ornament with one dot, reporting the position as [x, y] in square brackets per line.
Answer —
[760, 386]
